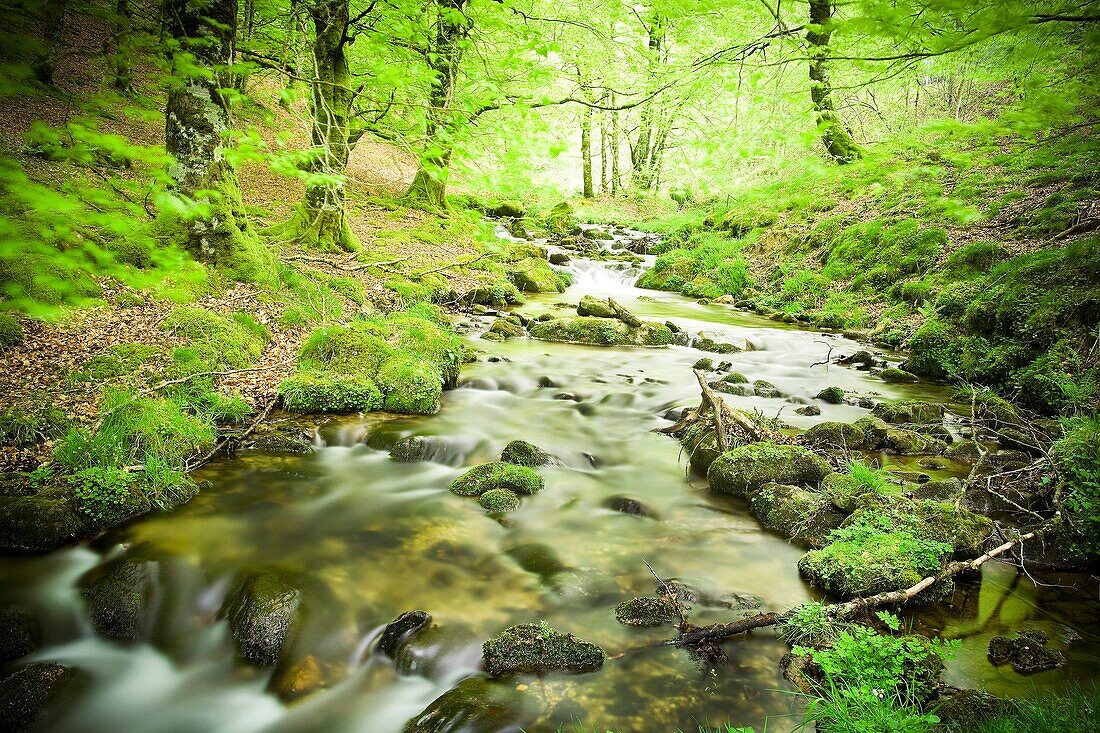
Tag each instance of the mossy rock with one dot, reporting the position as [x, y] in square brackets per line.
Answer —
[745, 469]
[20, 634]
[411, 387]
[764, 388]
[832, 395]
[876, 563]
[507, 328]
[874, 431]
[322, 391]
[590, 305]
[909, 412]
[411, 449]
[522, 453]
[912, 443]
[11, 331]
[706, 364]
[474, 704]
[834, 436]
[534, 275]
[647, 611]
[935, 521]
[894, 375]
[706, 343]
[738, 390]
[805, 517]
[734, 378]
[497, 475]
[700, 443]
[119, 597]
[498, 501]
[844, 493]
[539, 649]
[560, 220]
[262, 611]
[946, 490]
[30, 696]
[38, 523]
[601, 332]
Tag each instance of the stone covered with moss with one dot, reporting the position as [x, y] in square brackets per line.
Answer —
[401, 362]
[539, 649]
[590, 305]
[508, 328]
[497, 475]
[912, 443]
[806, 517]
[648, 611]
[908, 412]
[745, 469]
[262, 612]
[499, 500]
[474, 704]
[834, 436]
[874, 431]
[11, 331]
[832, 395]
[534, 275]
[522, 453]
[20, 634]
[119, 596]
[601, 332]
[964, 531]
[897, 376]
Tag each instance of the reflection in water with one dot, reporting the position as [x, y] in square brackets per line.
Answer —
[373, 538]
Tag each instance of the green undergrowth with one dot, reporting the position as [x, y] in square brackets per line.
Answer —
[1076, 459]
[956, 241]
[400, 362]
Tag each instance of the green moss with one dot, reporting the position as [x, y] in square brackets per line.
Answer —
[835, 435]
[227, 342]
[309, 391]
[806, 517]
[707, 265]
[743, 470]
[499, 500]
[534, 275]
[537, 649]
[11, 331]
[647, 611]
[601, 332]
[897, 376]
[411, 386]
[832, 395]
[522, 453]
[497, 475]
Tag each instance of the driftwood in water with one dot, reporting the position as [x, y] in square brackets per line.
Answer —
[726, 419]
[624, 315]
[841, 611]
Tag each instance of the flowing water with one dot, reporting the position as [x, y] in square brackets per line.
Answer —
[376, 537]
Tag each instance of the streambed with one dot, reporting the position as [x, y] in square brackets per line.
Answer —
[377, 537]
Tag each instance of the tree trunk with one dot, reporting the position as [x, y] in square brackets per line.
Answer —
[586, 153]
[838, 141]
[614, 149]
[196, 122]
[53, 23]
[604, 182]
[119, 49]
[323, 214]
[452, 25]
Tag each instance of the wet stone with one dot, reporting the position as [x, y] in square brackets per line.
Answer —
[625, 505]
[398, 631]
[30, 695]
[808, 410]
[262, 613]
[648, 611]
[118, 596]
[474, 705]
[20, 634]
[1027, 653]
[539, 649]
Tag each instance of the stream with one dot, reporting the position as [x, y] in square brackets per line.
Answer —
[378, 537]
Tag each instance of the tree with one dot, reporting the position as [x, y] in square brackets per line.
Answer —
[838, 141]
[213, 226]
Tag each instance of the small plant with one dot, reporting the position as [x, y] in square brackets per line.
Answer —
[101, 489]
[810, 625]
[864, 478]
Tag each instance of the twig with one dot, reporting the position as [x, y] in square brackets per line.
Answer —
[672, 596]
[189, 377]
[238, 438]
[828, 356]
[452, 264]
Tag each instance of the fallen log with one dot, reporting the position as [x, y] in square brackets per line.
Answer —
[724, 417]
[841, 611]
[624, 315]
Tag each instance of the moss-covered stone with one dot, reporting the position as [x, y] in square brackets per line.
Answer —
[499, 500]
[876, 562]
[497, 475]
[912, 443]
[908, 412]
[808, 410]
[508, 328]
[964, 531]
[706, 343]
[601, 332]
[700, 443]
[11, 331]
[31, 695]
[534, 275]
[474, 704]
[539, 649]
[874, 431]
[37, 523]
[734, 378]
[20, 634]
[738, 390]
[410, 386]
[948, 490]
[647, 611]
[764, 388]
[590, 305]
[262, 612]
[522, 453]
[834, 436]
[706, 364]
[897, 376]
[119, 596]
[329, 392]
[743, 470]
[560, 220]
[832, 395]
[806, 517]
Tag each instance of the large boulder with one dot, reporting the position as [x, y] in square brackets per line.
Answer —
[39, 523]
[743, 470]
[806, 517]
[262, 612]
[834, 436]
[497, 475]
[933, 521]
[590, 305]
[119, 596]
[909, 412]
[539, 649]
[874, 431]
[29, 696]
[897, 376]
[601, 332]
[869, 562]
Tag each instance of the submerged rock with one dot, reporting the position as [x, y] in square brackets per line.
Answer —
[764, 388]
[262, 613]
[626, 505]
[400, 630]
[808, 410]
[539, 649]
[648, 611]
[1027, 653]
[706, 343]
[522, 453]
[537, 558]
[474, 705]
[30, 695]
[410, 449]
[497, 475]
[119, 596]
[743, 470]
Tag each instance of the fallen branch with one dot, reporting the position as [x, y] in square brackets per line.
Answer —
[722, 413]
[624, 315]
[348, 266]
[189, 377]
[213, 453]
[449, 265]
[841, 611]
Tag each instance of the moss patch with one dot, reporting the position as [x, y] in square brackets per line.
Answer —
[743, 470]
[497, 475]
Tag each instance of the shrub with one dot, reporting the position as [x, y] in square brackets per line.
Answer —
[1076, 458]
